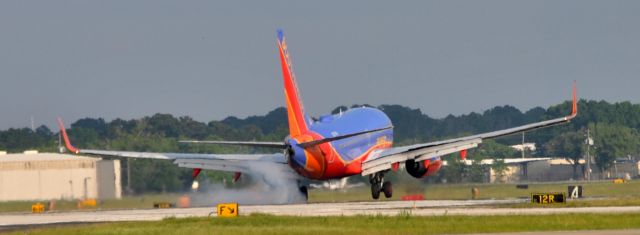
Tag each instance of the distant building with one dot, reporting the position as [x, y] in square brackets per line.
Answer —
[517, 169]
[554, 169]
[528, 146]
[43, 176]
[560, 169]
[557, 169]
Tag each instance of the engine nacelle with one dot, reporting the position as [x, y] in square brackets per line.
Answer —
[422, 168]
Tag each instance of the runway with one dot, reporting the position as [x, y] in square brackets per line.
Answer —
[421, 208]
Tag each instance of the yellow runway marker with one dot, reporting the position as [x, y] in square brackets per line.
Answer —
[228, 210]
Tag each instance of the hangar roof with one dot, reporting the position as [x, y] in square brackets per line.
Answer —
[21, 157]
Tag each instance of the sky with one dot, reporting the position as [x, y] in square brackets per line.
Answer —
[213, 59]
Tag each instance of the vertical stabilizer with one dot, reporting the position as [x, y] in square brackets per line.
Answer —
[295, 111]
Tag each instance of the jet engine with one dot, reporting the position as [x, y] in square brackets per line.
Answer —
[419, 169]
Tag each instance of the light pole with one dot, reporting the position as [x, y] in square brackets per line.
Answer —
[588, 142]
[522, 144]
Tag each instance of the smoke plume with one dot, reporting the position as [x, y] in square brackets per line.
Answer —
[269, 183]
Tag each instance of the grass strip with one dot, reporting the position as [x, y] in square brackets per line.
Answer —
[404, 223]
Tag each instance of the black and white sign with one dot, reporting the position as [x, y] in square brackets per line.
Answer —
[575, 191]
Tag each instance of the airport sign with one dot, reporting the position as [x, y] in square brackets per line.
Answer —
[228, 210]
[548, 198]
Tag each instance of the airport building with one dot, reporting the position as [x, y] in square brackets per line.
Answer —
[44, 176]
[555, 169]
[560, 169]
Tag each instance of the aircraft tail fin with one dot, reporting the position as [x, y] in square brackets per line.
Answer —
[298, 122]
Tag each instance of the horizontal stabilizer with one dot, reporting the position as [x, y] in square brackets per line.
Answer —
[279, 145]
[321, 141]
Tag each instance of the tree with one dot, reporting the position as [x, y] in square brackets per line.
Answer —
[454, 171]
[477, 171]
[615, 134]
[17, 140]
[44, 131]
[98, 125]
[569, 145]
[165, 124]
[492, 149]
[499, 168]
[613, 141]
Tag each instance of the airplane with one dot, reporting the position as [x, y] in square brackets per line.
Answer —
[356, 141]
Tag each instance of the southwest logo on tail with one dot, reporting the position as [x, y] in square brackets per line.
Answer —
[357, 141]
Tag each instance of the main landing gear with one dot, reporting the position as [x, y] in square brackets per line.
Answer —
[305, 192]
[379, 185]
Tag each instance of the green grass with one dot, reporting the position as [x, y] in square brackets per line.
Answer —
[624, 195]
[487, 191]
[353, 225]
[601, 202]
[129, 202]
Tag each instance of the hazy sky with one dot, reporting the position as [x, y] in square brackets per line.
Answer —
[210, 60]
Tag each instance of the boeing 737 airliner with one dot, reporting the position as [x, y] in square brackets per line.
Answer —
[357, 141]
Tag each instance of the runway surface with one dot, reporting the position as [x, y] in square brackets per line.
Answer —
[424, 208]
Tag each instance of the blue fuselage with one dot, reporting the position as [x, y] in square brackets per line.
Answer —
[336, 156]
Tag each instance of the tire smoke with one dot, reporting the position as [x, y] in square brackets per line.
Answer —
[269, 183]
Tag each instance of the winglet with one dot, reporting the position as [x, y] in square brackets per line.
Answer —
[67, 143]
[574, 109]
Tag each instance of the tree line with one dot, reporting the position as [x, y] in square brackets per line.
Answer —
[613, 126]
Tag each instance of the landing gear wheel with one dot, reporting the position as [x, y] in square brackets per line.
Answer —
[305, 192]
[376, 180]
[387, 189]
[375, 191]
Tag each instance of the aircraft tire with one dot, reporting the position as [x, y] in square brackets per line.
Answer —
[387, 188]
[305, 192]
[375, 191]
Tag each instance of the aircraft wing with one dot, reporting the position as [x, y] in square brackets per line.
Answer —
[245, 163]
[383, 160]
[220, 162]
